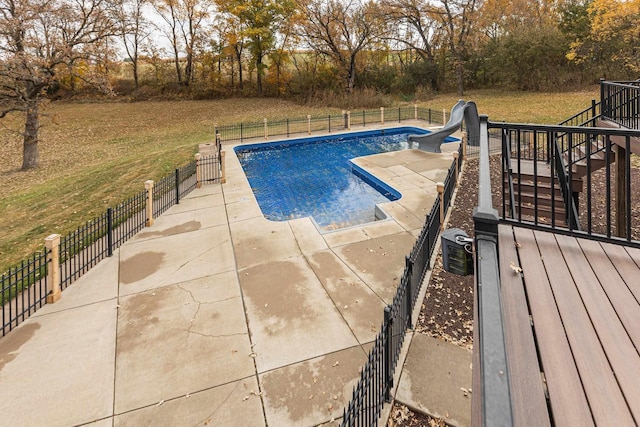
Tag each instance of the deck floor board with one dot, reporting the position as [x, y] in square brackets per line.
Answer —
[563, 381]
[585, 316]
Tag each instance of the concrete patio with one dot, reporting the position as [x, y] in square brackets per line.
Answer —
[216, 316]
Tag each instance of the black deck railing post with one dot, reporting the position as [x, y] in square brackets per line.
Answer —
[604, 104]
[109, 231]
[388, 354]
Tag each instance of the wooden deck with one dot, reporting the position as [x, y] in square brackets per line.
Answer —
[572, 324]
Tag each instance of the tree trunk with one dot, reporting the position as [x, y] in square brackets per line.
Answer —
[176, 60]
[351, 75]
[239, 58]
[259, 76]
[30, 154]
[134, 63]
[460, 77]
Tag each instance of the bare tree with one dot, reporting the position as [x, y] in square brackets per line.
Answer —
[185, 27]
[458, 18]
[168, 11]
[133, 29]
[341, 30]
[37, 38]
[413, 25]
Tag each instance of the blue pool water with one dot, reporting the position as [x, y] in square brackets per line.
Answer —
[314, 176]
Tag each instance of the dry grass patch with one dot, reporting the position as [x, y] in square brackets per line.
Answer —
[94, 155]
[520, 107]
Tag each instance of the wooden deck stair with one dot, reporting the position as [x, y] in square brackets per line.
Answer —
[532, 186]
[598, 158]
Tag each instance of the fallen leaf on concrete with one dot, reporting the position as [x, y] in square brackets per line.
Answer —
[335, 397]
[336, 364]
[311, 397]
[187, 395]
[315, 380]
[253, 355]
[245, 398]
[160, 403]
[518, 245]
[346, 306]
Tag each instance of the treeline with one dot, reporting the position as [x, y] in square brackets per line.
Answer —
[308, 48]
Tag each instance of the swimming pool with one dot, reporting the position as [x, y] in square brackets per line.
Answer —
[315, 177]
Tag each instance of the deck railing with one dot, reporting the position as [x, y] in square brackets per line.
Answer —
[491, 400]
[607, 209]
[376, 377]
[621, 103]
[603, 206]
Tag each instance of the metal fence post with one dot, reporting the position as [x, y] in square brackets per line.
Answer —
[415, 111]
[387, 354]
[455, 159]
[329, 123]
[240, 132]
[381, 115]
[177, 186]
[223, 178]
[266, 129]
[198, 171]
[444, 116]
[287, 127]
[109, 231]
[309, 123]
[408, 291]
[429, 115]
[349, 120]
[52, 245]
[440, 188]
[148, 185]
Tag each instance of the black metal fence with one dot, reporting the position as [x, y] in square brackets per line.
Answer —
[24, 290]
[24, 287]
[328, 123]
[376, 377]
[621, 103]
